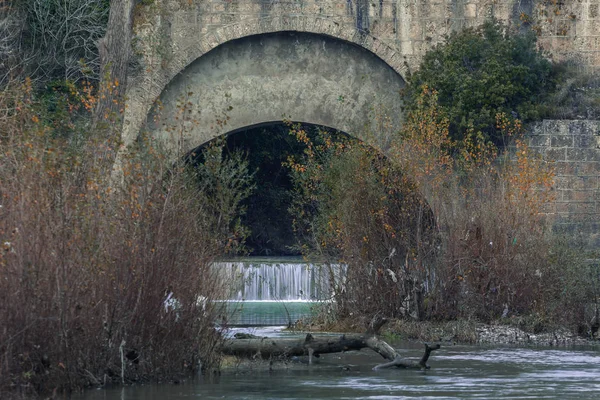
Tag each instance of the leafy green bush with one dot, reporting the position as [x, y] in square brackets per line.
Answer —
[481, 72]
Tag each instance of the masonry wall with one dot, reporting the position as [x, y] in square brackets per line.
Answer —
[574, 148]
[568, 29]
[171, 34]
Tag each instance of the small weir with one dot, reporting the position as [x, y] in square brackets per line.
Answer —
[274, 291]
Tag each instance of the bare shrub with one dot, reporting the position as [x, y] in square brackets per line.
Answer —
[353, 207]
[101, 283]
[11, 27]
[51, 39]
[498, 254]
[443, 229]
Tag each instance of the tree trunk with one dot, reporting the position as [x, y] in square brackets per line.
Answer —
[115, 50]
[275, 347]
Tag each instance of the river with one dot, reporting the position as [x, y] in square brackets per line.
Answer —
[457, 372]
[278, 291]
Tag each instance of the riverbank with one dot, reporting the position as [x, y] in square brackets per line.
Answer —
[514, 332]
[450, 334]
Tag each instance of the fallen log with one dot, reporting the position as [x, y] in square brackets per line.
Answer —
[269, 348]
[284, 347]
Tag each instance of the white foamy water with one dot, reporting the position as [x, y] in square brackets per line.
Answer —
[278, 280]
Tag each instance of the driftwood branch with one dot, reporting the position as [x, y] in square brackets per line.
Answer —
[398, 362]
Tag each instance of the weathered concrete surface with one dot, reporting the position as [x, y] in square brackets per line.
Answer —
[268, 78]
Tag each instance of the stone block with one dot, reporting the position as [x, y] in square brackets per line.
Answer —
[584, 182]
[593, 10]
[539, 140]
[555, 127]
[470, 10]
[434, 28]
[218, 7]
[591, 154]
[455, 24]
[578, 196]
[562, 141]
[565, 168]
[576, 127]
[246, 8]
[549, 208]
[584, 141]
[384, 30]
[367, 42]
[576, 182]
[562, 182]
[265, 25]
[562, 208]
[415, 31]
[576, 154]
[388, 10]
[584, 208]
[406, 47]
[346, 32]
[564, 228]
[555, 154]
[593, 28]
[588, 168]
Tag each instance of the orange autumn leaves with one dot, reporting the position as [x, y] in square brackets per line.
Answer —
[432, 159]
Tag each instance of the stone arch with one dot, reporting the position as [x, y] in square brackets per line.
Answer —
[317, 24]
[270, 77]
[145, 88]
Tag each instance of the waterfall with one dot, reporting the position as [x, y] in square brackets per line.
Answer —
[274, 291]
[276, 281]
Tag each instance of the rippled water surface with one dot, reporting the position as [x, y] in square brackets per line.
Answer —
[457, 372]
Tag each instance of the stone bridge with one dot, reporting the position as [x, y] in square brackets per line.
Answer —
[210, 67]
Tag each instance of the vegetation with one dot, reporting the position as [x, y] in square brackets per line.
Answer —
[103, 282]
[450, 225]
[577, 94]
[464, 238]
[481, 72]
[268, 219]
[51, 39]
[353, 207]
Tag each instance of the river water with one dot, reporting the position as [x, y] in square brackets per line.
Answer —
[280, 291]
[457, 372]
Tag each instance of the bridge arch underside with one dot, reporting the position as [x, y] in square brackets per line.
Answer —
[292, 76]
